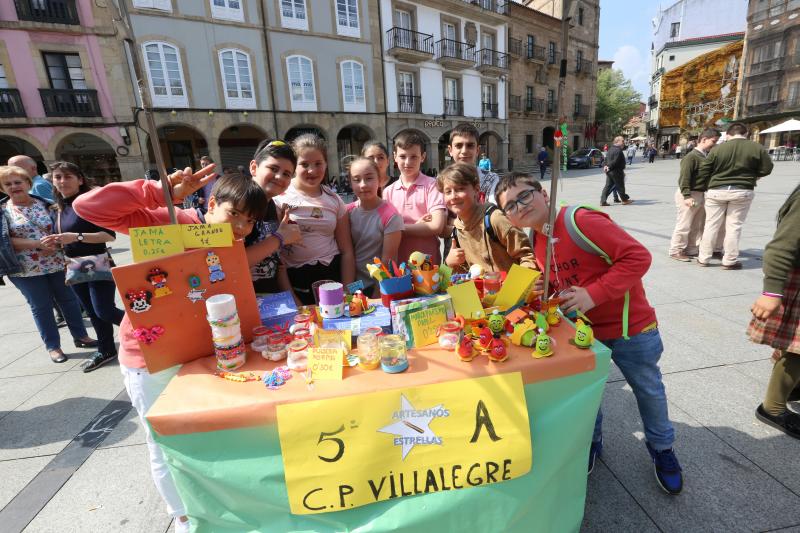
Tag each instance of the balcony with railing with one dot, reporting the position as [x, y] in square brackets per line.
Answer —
[70, 102]
[455, 55]
[491, 62]
[454, 108]
[553, 58]
[534, 105]
[765, 67]
[50, 11]
[652, 102]
[583, 67]
[409, 103]
[515, 102]
[409, 46]
[581, 111]
[489, 110]
[536, 53]
[11, 104]
[763, 108]
[514, 47]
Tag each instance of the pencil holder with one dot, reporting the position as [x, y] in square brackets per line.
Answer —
[396, 289]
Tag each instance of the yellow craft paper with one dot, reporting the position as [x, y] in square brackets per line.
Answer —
[345, 452]
[155, 241]
[207, 235]
[424, 324]
[465, 297]
[325, 363]
[516, 286]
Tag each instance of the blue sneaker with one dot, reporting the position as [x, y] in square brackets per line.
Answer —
[595, 451]
[668, 470]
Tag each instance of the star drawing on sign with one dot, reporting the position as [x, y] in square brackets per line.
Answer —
[411, 427]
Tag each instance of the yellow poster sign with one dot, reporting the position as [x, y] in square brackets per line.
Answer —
[346, 452]
[425, 323]
[155, 241]
[325, 363]
[207, 235]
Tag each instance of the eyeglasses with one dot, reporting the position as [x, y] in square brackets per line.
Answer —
[523, 200]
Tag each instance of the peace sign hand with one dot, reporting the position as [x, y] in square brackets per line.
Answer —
[184, 183]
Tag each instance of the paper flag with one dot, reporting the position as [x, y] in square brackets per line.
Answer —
[516, 286]
[465, 299]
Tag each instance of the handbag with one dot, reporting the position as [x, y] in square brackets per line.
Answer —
[87, 268]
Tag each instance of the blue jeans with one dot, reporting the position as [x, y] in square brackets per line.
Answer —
[97, 298]
[40, 291]
[637, 359]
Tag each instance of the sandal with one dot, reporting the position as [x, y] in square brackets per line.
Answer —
[57, 356]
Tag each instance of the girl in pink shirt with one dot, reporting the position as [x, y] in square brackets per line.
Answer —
[326, 248]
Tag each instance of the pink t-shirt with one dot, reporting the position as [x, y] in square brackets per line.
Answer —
[317, 217]
[414, 202]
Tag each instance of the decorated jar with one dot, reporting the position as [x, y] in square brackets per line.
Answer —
[260, 336]
[298, 355]
[303, 334]
[368, 351]
[375, 330]
[393, 354]
[276, 347]
[449, 334]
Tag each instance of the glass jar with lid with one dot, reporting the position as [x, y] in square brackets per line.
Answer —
[298, 355]
[394, 358]
[449, 334]
[368, 351]
[275, 349]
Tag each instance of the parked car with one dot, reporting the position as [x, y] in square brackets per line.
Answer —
[586, 158]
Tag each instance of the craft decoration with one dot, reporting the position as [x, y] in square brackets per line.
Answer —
[359, 305]
[369, 350]
[395, 289]
[195, 294]
[445, 273]
[524, 333]
[466, 301]
[498, 352]
[497, 323]
[226, 333]
[277, 378]
[420, 261]
[553, 316]
[278, 309]
[394, 358]
[584, 336]
[357, 285]
[139, 300]
[239, 377]
[158, 279]
[484, 340]
[544, 346]
[475, 271]
[449, 333]
[215, 272]
[148, 335]
[297, 359]
[331, 300]
[466, 348]
[516, 287]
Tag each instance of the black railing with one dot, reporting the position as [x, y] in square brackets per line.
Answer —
[488, 110]
[536, 53]
[11, 103]
[652, 102]
[410, 40]
[534, 105]
[552, 57]
[55, 11]
[514, 47]
[581, 110]
[763, 67]
[764, 107]
[515, 102]
[70, 102]
[583, 66]
[454, 107]
[492, 58]
[448, 48]
[409, 103]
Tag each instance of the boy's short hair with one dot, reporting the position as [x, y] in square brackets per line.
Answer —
[408, 138]
[243, 193]
[464, 129]
[461, 174]
[708, 133]
[274, 148]
[512, 180]
[737, 128]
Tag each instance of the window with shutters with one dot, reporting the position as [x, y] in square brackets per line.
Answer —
[237, 79]
[164, 5]
[347, 18]
[227, 10]
[165, 72]
[294, 14]
[302, 91]
[64, 71]
[353, 96]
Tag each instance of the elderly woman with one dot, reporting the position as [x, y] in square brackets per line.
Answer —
[81, 238]
[35, 268]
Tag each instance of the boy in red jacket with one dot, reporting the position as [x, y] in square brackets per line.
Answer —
[588, 283]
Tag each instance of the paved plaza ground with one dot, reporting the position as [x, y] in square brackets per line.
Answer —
[740, 475]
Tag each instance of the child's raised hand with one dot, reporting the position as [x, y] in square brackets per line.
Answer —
[456, 257]
[576, 299]
[184, 183]
[289, 231]
[765, 306]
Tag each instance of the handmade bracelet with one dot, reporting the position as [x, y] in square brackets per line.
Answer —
[278, 377]
[231, 320]
[279, 237]
[239, 377]
[772, 295]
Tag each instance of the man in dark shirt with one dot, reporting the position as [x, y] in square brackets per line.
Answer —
[204, 193]
[615, 172]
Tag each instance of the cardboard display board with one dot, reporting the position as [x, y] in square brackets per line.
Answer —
[165, 301]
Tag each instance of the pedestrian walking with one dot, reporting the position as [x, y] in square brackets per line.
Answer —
[651, 154]
[678, 151]
[542, 157]
[731, 171]
[631, 154]
[615, 172]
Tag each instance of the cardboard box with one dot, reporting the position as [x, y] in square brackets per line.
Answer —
[276, 310]
[380, 318]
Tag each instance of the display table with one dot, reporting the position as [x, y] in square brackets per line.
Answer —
[222, 445]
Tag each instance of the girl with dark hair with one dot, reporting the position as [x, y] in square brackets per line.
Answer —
[380, 156]
[272, 168]
[80, 238]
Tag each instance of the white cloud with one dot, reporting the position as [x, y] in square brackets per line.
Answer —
[635, 66]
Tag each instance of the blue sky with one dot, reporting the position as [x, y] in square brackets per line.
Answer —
[625, 35]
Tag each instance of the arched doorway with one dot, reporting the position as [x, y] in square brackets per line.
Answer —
[181, 145]
[297, 131]
[490, 144]
[427, 167]
[237, 145]
[95, 156]
[547, 137]
[444, 156]
[11, 146]
[350, 141]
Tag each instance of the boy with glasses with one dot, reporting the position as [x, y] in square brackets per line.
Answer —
[597, 268]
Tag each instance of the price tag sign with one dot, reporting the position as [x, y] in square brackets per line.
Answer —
[325, 363]
[155, 241]
[207, 235]
[341, 453]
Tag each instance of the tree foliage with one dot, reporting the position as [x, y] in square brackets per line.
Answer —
[617, 100]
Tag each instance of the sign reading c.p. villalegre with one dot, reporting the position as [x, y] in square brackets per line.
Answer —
[346, 452]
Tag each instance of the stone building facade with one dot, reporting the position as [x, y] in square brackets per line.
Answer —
[65, 90]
